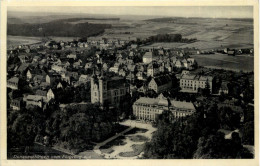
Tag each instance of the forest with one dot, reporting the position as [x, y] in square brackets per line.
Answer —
[60, 28]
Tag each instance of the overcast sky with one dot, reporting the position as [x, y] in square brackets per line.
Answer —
[180, 11]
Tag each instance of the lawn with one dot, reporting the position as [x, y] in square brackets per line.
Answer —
[21, 40]
[138, 138]
[137, 149]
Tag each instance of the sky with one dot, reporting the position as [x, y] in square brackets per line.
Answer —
[173, 11]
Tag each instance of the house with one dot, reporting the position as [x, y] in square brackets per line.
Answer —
[58, 69]
[34, 100]
[150, 108]
[23, 68]
[178, 64]
[23, 58]
[223, 88]
[160, 83]
[59, 85]
[192, 83]
[76, 65]
[41, 93]
[49, 79]
[29, 75]
[36, 58]
[148, 57]
[231, 52]
[122, 72]
[50, 95]
[89, 65]
[16, 104]
[140, 76]
[72, 56]
[114, 69]
[153, 69]
[38, 79]
[84, 78]
[13, 83]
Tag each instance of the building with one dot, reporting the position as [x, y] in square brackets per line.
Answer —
[160, 83]
[108, 90]
[50, 95]
[16, 104]
[192, 83]
[223, 88]
[13, 83]
[148, 57]
[34, 100]
[149, 108]
[153, 69]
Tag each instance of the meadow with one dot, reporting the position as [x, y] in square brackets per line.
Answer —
[22, 40]
[223, 61]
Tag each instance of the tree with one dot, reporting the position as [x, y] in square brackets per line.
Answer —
[229, 119]
[248, 133]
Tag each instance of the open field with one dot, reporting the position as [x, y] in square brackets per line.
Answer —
[223, 61]
[21, 40]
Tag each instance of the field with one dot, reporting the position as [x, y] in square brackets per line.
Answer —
[21, 40]
[223, 61]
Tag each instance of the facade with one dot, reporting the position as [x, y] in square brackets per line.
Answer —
[192, 83]
[149, 108]
[50, 95]
[16, 104]
[109, 90]
[34, 100]
[153, 70]
[148, 57]
[13, 83]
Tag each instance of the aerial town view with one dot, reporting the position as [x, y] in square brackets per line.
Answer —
[128, 83]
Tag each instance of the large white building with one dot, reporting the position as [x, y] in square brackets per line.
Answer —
[149, 108]
[192, 83]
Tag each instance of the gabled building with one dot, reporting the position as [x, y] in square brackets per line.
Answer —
[13, 83]
[192, 83]
[153, 69]
[160, 83]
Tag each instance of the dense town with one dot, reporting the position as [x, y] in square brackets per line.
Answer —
[69, 96]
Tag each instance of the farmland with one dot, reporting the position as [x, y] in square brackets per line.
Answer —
[223, 61]
[21, 40]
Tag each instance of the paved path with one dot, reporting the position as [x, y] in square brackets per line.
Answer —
[96, 148]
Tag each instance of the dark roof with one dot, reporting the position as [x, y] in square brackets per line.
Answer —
[41, 93]
[161, 80]
[115, 83]
[23, 67]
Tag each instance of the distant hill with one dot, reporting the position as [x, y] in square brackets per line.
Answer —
[14, 21]
[59, 28]
[182, 19]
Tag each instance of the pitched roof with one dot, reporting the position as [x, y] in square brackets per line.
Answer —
[14, 79]
[164, 102]
[41, 93]
[162, 80]
[148, 55]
